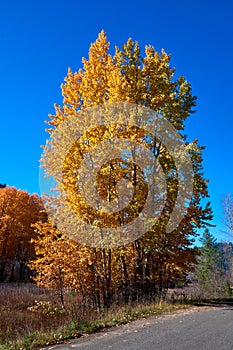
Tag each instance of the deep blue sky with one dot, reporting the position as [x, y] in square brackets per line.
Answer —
[41, 39]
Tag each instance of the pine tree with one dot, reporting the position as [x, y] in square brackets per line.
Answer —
[210, 264]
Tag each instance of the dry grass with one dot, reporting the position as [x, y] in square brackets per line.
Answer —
[31, 317]
[16, 320]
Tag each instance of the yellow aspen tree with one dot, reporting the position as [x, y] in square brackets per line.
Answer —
[157, 258]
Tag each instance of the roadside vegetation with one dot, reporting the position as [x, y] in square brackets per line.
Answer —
[32, 317]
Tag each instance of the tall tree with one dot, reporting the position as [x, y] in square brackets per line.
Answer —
[157, 258]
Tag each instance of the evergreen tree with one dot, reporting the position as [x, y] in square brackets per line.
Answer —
[211, 262]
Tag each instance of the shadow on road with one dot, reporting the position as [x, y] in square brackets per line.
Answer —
[226, 303]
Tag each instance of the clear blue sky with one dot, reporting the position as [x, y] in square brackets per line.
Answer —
[41, 39]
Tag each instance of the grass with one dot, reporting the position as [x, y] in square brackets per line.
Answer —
[29, 320]
[17, 320]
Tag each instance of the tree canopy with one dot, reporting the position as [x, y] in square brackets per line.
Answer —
[158, 258]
